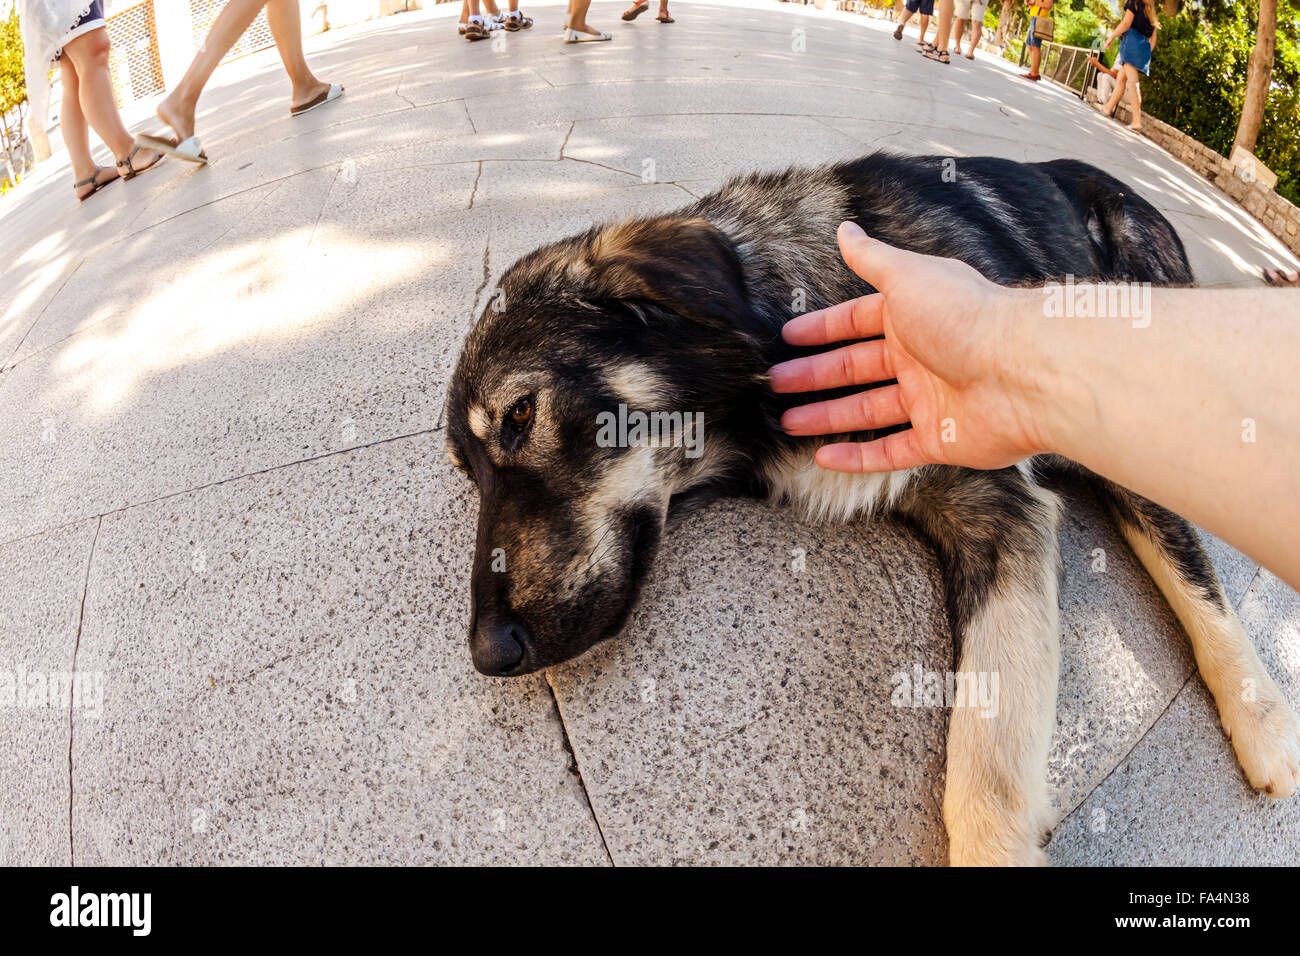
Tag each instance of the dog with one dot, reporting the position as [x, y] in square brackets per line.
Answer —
[683, 312]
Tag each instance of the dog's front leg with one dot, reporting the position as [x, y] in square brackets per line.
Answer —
[996, 535]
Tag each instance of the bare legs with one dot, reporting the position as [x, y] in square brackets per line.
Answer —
[284, 17]
[976, 28]
[88, 99]
[1130, 73]
[1121, 82]
[577, 19]
[944, 29]
[1128, 78]
[285, 20]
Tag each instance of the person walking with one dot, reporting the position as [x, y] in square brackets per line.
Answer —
[972, 10]
[285, 21]
[1137, 39]
[576, 28]
[76, 36]
[641, 6]
[926, 9]
[1042, 9]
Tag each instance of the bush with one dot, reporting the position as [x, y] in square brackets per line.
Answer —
[1198, 83]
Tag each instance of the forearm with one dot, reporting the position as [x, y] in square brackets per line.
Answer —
[1199, 410]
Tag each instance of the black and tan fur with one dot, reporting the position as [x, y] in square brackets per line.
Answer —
[684, 312]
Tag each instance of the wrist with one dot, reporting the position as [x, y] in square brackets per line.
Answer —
[1047, 398]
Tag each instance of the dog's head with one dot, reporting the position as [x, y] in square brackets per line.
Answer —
[582, 339]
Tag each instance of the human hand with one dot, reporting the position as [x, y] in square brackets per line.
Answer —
[946, 342]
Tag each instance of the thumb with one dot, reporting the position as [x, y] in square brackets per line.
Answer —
[875, 261]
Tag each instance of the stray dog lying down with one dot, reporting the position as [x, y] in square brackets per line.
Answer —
[591, 336]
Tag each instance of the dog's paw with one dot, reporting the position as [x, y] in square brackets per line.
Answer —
[1266, 736]
[962, 853]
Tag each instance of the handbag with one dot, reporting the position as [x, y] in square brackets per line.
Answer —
[1044, 28]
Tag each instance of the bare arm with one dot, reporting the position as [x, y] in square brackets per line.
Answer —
[1194, 404]
[1122, 28]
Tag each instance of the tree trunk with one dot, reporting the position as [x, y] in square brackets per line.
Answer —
[1258, 74]
[1004, 21]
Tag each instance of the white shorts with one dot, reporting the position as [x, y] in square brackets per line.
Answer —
[970, 9]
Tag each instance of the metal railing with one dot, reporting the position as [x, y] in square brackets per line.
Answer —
[133, 61]
[1066, 66]
[203, 13]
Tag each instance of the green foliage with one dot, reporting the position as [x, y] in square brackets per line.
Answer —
[1198, 82]
[13, 78]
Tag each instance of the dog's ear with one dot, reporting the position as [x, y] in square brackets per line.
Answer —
[686, 266]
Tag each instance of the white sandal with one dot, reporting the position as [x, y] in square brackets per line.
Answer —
[577, 36]
[190, 150]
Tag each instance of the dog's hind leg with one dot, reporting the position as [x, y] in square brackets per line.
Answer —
[996, 537]
[1256, 716]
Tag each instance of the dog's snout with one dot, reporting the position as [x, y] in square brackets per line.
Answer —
[498, 645]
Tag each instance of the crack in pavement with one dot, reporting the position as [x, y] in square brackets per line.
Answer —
[72, 701]
[576, 768]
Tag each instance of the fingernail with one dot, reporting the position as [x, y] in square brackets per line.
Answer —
[851, 230]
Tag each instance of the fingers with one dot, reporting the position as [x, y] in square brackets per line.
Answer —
[859, 364]
[859, 318]
[891, 453]
[874, 408]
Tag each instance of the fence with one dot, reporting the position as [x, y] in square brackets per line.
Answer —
[1066, 66]
[134, 60]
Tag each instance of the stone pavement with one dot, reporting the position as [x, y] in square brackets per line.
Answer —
[225, 493]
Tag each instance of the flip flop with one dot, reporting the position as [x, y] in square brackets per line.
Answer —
[93, 179]
[665, 19]
[131, 172]
[190, 150]
[575, 36]
[333, 93]
[636, 11]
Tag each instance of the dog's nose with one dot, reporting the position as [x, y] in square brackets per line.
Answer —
[497, 646]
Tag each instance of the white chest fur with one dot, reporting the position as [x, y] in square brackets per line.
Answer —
[822, 495]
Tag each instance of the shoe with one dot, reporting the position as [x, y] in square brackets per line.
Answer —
[521, 22]
[475, 31]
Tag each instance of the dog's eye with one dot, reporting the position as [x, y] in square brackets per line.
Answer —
[522, 413]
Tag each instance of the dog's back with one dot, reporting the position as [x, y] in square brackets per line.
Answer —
[1016, 223]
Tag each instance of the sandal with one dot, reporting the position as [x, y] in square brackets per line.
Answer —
[939, 56]
[130, 171]
[665, 19]
[521, 22]
[1282, 278]
[476, 31]
[190, 150]
[898, 34]
[636, 10]
[1103, 111]
[577, 36]
[94, 181]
